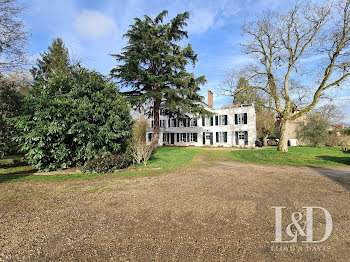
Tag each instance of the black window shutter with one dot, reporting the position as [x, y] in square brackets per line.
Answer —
[236, 138]
[211, 121]
[203, 138]
[236, 119]
[246, 138]
[225, 120]
[177, 137]
[184, 122]
[195, 137]
[216, 120]
[225, 137]
[203, 121]
[217, 137]
[168, 122]
[211, 138]
[245, 118]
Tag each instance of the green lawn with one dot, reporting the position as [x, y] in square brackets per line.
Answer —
[163, 160]
[173, 157]
[169, 158]
[300, 156]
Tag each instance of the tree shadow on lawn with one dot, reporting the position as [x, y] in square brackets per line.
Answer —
[16, 175]
[342, 160]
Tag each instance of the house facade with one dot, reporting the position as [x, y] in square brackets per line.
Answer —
[233, 126]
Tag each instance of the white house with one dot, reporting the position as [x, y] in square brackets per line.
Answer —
[233, 126]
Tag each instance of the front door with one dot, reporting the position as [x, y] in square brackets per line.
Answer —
[172, 138]
[208, 138]
[241, 138]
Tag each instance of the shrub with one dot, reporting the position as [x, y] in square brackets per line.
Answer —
[10, 106]
[334, 140]
[71, 118]
[315, 130]
[107, 164]
[139, 149]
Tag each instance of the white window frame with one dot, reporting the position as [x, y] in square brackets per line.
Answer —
[181, 123]
[240, 119]
[189, 137]
[221, 120]
[221, 137]
[193, 122]
[192, 137]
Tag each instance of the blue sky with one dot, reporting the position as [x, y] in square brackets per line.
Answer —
[93, 29]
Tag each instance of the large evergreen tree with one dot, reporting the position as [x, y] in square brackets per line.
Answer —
[153, 65]
[56, 59]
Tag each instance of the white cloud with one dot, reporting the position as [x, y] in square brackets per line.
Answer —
[94, 24]
[201, 20]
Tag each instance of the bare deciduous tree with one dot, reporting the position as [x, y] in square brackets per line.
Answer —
[286, 46]
[13, 36]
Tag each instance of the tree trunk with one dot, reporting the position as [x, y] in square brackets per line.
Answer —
[265, 140]
[156, 105]
[283, 143]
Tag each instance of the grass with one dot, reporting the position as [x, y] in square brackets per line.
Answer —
[164, 159]
[173, 157]
[299, 156]
[169, 158]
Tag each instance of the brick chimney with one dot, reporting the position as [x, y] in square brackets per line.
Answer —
[210, 98]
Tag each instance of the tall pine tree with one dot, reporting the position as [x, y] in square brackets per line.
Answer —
[56, 59]
[153, 66]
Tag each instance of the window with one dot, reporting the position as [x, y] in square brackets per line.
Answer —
[165, 137]
[193, 137]
[150, 137]
[222, 120]
[193, 122]
[162, 123]
[221, 137]
[187, 137]
[182, 137]
[181, 123]
[241, 119]
[172, 122]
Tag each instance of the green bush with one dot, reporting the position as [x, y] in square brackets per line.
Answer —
[315, 130]
[71, 118]
[107, 164]
[10, 106]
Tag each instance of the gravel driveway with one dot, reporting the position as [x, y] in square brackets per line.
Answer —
[215, 211]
